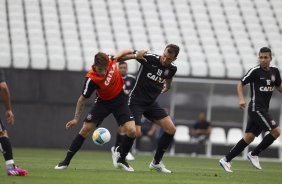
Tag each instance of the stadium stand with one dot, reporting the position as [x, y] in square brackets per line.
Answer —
[218, 38]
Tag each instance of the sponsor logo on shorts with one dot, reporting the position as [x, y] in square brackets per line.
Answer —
[89, 117]
[273, 122]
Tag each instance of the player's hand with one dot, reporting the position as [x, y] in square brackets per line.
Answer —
[10, 117]
[242, 104]
[140, 54]
[165, 89]
[71, 124]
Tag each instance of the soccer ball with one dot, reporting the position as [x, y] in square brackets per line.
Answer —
[101, 136]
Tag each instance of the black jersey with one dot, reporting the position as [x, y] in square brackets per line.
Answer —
[129, 81]
[262, 85]
[2, 77]
[150, 80]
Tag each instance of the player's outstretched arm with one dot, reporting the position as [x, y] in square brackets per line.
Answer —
[78, 111]
[121, 55]
[5, 94]
[130, 54]
[240, 91]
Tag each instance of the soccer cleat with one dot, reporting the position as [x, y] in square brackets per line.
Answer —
[225, 165]
[129, 157]
[61, 166]
[254, 160]
[124, 165]
[159, 167]
[16, 171]
[115, 156]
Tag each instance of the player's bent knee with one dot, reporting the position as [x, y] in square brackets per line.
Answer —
[249, 137]
[138, 133]
[171, 130]
[131, 132]
[276, 132]
[3, 134]
[85, 131]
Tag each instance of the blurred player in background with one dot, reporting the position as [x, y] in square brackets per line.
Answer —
[105, 79]
[154, 77]
[5, 145]
[263, 80]
[129, 81]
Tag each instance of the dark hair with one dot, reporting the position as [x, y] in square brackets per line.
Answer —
[265, 49]
[172, 48]
[122, 63]
[101, 59]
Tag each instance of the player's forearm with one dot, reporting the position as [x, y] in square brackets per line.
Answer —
[168, 83]
[5, 94]
[79, 107]
[131, 54]
[240, 91]
[279, 88]
[125, 55]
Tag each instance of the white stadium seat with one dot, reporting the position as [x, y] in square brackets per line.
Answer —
[182, 134]
[234, 135]
[197, 26]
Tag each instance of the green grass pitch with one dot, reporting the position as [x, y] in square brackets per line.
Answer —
[95, 167]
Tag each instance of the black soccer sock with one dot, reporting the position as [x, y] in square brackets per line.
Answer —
[236, 150]
[163, 144]
[119, 139]
[75, 146]
[6, 148]
[267, 141]
[125, 146]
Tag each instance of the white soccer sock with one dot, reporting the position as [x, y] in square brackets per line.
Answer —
[9, 163]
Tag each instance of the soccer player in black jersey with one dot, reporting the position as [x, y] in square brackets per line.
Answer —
[129, 81]
[154, 77]
[5, 144]
[263, 79]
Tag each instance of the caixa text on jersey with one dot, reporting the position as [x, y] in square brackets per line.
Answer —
[266, 88]
[155, 78]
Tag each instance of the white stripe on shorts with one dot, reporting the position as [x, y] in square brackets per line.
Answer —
[264, 120]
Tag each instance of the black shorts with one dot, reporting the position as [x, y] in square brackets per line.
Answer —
[258, 121]
[2, 127]
[151, 112]
[102, 108]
